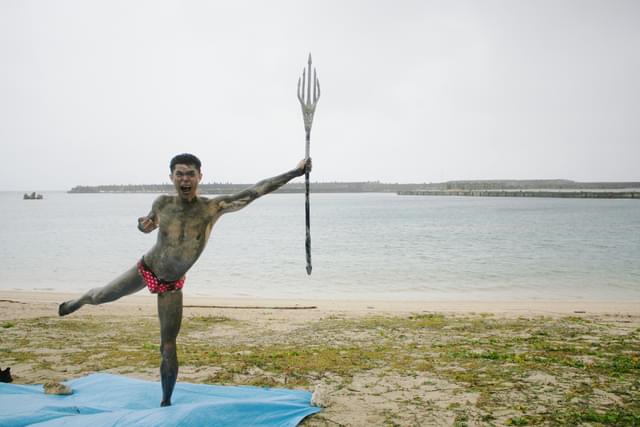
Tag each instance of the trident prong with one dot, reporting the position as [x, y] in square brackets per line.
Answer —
[308, 101]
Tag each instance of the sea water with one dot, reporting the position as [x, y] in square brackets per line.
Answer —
[364, 246]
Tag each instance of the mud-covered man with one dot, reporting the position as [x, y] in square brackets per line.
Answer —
[184, 221]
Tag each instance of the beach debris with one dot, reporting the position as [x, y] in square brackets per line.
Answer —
[5, 375]
[257, 307]
[320, 396]
[54, 387]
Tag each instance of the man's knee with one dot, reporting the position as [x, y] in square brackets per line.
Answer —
[100, 296]
[168, 350]
[94, 296]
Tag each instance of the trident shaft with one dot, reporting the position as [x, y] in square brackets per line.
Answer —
[308, 98]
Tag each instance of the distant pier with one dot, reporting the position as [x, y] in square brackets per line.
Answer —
[526, 193]
[491, 188]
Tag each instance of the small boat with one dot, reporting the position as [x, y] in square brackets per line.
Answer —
[32, 196]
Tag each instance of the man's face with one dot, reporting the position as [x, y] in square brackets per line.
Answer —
[185, 179]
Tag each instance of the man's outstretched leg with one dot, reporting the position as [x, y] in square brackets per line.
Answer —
[127, 283]
[170, 314]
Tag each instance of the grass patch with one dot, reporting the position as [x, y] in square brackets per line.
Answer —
[199, 323]
[542, 371]
[611, 417]
[296, 365]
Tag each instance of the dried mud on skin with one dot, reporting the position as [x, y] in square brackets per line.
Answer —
[419, 369]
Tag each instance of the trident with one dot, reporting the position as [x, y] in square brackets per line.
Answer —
[308, 105]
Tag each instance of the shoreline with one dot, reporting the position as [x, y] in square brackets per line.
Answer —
[28, 304]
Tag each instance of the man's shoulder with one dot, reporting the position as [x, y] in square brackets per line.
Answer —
[163, 200]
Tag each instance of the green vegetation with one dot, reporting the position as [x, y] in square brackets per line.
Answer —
[542, 371]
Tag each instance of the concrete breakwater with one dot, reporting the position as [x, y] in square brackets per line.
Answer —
[527, 193]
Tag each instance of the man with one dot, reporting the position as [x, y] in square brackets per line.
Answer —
[184, 221]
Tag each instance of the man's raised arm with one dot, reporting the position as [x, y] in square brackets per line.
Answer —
[234, 202]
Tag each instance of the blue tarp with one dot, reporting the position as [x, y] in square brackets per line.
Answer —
[101, 400]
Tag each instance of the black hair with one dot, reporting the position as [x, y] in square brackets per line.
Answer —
[185, 159]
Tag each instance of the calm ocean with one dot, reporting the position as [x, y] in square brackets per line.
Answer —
[365, 246]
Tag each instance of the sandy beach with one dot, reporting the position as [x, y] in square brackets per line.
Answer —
[372, 362]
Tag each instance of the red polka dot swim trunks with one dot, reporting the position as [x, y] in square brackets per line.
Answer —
[155, 285]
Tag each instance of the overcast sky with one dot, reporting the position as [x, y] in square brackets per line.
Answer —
[102, 92]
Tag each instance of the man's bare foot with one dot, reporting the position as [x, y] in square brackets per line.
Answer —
[66, 308]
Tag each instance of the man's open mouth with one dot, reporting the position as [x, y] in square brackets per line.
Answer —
[185, 188]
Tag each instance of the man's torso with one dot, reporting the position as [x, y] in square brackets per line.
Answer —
[184, 229]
